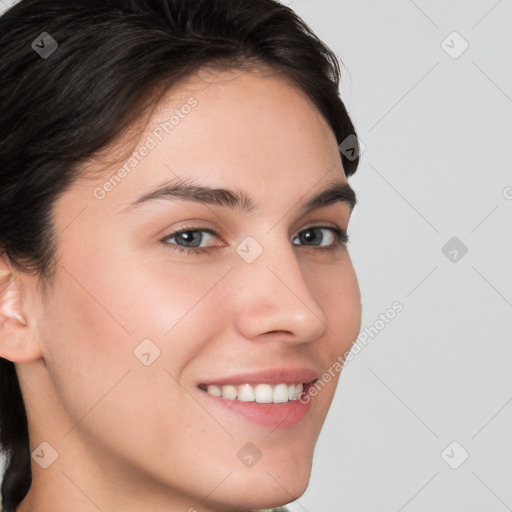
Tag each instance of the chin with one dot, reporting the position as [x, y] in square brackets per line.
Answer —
[256, 499]
[264, 488]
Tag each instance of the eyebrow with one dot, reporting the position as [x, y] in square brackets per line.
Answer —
[236, 199]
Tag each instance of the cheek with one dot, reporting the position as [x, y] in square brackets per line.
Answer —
[104, 389]
[347, 317]
[336, 289]
[88, 348]
[102, 324]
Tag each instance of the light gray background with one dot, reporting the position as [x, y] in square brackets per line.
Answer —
[437, 165]
[438, 157]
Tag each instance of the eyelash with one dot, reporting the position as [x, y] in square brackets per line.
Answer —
[341, 239]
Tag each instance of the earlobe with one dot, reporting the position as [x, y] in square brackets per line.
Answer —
[18, 342]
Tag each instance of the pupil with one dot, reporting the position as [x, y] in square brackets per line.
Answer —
[305, 237]
[195, 234]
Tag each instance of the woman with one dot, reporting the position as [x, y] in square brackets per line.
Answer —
[175, 280]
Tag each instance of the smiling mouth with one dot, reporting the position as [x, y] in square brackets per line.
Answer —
[260, 393]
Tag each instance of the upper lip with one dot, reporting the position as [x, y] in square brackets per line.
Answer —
[266, 376]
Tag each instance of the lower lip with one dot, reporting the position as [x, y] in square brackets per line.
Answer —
[283, 415]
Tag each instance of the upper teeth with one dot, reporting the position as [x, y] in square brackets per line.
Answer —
[261, 393]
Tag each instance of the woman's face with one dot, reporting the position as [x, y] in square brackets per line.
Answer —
[141, 320]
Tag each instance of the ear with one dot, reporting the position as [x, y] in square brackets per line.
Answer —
[18, 342]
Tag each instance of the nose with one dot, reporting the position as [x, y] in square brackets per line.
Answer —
[273, 300]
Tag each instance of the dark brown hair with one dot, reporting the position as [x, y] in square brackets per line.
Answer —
[113, 60]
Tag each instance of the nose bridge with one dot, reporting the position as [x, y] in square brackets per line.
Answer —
[273, 294]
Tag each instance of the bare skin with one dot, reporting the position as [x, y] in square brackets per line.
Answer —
[133, 437]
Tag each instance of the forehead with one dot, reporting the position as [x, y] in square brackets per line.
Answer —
[252, 130]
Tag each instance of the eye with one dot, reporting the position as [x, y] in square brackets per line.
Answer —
[190, 239]
[314, 235]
